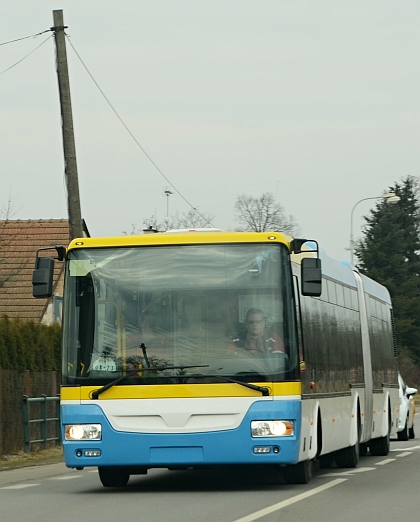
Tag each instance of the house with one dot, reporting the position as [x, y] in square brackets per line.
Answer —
[19, 241]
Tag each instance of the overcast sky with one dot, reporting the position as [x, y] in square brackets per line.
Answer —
[314, 101]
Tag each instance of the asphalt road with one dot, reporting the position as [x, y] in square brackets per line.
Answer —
[381, 488]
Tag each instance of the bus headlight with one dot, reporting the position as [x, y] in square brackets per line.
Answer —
[83, 432]
[272, 428]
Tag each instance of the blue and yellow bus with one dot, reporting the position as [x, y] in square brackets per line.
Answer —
[162, 370]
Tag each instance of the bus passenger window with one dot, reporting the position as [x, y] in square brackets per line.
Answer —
[354, 300]
[324, 294]
[339, 294]
[331, 292]
[347, 297]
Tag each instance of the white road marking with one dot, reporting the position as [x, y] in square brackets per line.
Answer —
[347, 473]
[66, 477]
[386, 461]
[405, 454]
[361, 470]
[343, 474]
[20, 486]
[406, 449]
[289, 501]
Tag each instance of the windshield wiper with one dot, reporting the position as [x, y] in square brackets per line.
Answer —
[262, 389]
[134, 373]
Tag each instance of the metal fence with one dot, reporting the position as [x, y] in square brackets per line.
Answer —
[13, 386]
[41, 421]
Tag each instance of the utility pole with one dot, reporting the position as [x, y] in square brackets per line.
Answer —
[72, 182]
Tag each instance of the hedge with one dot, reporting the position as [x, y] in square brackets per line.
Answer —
[26, 345]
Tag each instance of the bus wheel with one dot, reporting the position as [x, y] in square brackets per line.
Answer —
[348, 457]
[411, 432]
[326, 461]
[300, 473]
[404, 434]
[113, 477]
[380, 447]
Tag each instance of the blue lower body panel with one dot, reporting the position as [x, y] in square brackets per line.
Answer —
[150, 450]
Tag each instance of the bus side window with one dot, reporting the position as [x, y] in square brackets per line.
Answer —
[331, 292]
[354, 300]
[339, 294]
[347, 297]
[324, 294]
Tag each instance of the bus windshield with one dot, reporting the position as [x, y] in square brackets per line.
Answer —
[179, 314]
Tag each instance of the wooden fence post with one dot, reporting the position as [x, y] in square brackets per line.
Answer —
[27, 383]
[53, 384]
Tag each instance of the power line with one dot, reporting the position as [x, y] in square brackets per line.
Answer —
[25, 37]
[21, 60]
[132, 135]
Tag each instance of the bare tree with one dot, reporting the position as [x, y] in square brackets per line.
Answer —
[191, 219]
[263, 214]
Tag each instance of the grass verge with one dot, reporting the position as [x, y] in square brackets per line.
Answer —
[37, 458]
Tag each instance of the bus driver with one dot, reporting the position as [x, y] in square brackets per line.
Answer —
[256, 339]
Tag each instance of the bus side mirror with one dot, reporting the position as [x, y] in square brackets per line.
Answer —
[42, 277]
[311, 276]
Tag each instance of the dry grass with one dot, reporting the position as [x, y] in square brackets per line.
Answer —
[37, 458]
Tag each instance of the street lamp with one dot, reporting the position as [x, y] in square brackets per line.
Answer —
[167, 193]
[389, 197]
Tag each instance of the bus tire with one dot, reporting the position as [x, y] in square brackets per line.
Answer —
[300, 473]
[380, 447]
[404, 434]
[348, 457]
[411, 432]
[113, 477]
[326, 461]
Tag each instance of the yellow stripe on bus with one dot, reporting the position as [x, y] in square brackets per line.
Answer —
[181, 238]
[164, 391]
[70, 393]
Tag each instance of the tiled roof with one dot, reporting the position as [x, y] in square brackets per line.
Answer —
[19, 241]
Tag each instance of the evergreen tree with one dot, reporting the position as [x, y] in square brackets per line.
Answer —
[48, 341]
[8, 334]
[4, 359]
[29, 336]
[26, 345]
[390, 254]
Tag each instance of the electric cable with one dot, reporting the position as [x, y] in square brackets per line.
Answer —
[21, 60]
[25, 37]
[207, 221]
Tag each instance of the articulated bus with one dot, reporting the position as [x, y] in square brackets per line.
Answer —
[154, 375]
